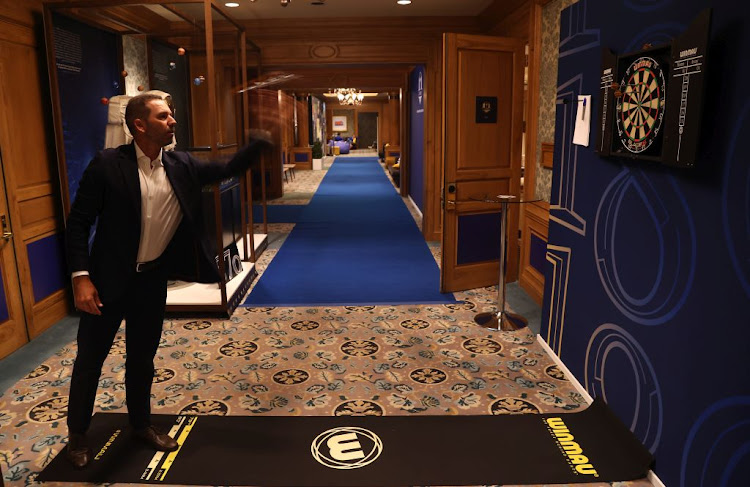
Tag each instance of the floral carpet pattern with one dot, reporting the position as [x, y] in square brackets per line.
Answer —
[346, 360]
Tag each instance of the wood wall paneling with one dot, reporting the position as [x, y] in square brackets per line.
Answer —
[373, 30]
[228, 96]
[391, 126]
[226, 99]
[48, 310]
[303, 122]
[304, 161]
[16, 34]
[548, 154]
[494, 16]
[535, 222]
[321, 78]
[23, 14]
[29, 165]
[432, 216]
[515, 23]
[266, 113]
[198, 101]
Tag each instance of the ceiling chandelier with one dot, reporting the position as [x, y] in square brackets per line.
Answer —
[349, 96]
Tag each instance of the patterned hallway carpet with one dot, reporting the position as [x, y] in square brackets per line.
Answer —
[363, 360]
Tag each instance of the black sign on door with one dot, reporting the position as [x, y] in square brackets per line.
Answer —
[486, 109]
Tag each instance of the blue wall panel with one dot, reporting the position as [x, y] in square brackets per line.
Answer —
[472, 249]
[47, 265]
[416, 136]
[537, 253]
[3, 302]
[656, 319]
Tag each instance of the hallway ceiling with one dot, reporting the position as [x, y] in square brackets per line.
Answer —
[272, 9]
[181, 24]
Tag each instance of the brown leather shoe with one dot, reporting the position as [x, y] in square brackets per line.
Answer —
[78, 452]
[159, 441]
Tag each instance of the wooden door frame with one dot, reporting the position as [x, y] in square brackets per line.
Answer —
[535, 218]
[450, 151]
[15, 337]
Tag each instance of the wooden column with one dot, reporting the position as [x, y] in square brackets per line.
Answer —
[214, 139]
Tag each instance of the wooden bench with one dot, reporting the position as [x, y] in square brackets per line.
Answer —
[289, 170]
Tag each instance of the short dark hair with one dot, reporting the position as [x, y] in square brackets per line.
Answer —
[137, 108]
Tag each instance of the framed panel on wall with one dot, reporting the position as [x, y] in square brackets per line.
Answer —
[339, 123]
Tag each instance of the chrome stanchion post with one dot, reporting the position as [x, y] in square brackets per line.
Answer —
[503, 239]
[501, 320]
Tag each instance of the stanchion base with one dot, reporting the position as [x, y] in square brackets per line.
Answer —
[509, 322]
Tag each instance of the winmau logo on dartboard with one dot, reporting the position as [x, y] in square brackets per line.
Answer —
[346, 447]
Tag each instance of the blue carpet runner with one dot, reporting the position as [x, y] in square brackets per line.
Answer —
[278, 213]
[354, 244]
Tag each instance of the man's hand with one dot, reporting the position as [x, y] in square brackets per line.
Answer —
[86, 296]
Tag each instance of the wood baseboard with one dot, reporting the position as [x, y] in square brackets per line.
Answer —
[48, 311]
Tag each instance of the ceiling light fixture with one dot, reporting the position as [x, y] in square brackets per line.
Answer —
[231, 4]
[403, 2]
[348, 96]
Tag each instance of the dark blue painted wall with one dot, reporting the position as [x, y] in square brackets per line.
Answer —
[87, 71]
[655, 261]
[416, 136]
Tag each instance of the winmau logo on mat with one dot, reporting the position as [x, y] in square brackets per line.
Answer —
[346, 447]
[570, 448]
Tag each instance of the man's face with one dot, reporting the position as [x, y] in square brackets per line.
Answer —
[159, 126]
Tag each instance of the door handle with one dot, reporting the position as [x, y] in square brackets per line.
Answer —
[450, 197]
[7, 234]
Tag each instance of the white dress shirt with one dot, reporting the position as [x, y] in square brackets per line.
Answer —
[160, 211]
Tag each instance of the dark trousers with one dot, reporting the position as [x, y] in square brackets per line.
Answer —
[142, 307]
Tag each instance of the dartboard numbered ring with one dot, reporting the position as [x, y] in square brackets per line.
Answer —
[640, 109]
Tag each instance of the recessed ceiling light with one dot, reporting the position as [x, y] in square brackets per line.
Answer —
[403, 2]
[231, 4]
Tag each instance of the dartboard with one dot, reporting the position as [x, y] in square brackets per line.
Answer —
[640, 108]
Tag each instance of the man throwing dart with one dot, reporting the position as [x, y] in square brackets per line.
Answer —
[146, 203]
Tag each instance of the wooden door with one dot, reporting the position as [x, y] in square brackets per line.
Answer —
[12, 323]
[31, 200]
[482, 136]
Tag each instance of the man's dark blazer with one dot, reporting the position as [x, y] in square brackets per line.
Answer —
[110, 192]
